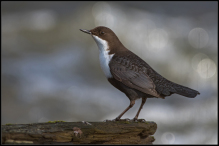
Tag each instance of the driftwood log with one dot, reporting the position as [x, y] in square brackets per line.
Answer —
[110, 132]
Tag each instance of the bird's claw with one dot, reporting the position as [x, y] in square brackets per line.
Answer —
[117, 119]
[127, 119]
[139, 120]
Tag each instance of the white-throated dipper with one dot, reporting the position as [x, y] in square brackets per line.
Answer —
[129, 73]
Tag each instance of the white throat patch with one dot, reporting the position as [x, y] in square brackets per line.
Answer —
[104, 55]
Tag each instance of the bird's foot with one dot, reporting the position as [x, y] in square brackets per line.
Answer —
[127, 119]
[117, 119]
[138, 120]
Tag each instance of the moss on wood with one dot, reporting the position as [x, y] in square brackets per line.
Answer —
[110, 132]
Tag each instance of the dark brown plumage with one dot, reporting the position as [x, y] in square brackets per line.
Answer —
[132, 75]
[135, 73]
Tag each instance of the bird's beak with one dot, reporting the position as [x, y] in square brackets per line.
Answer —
[85, 31]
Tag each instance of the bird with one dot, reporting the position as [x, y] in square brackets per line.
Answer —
[130, 74]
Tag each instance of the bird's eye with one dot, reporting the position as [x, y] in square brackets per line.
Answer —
[102, 32]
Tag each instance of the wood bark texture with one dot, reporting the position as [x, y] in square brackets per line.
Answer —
[110, 132]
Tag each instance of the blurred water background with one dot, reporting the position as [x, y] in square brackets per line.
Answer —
[50, 69]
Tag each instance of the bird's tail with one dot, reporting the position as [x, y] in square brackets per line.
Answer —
[185, 91]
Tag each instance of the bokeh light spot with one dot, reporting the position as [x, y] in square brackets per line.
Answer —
[198, 38]
[206, 68]
[100, 7]
[42, 20]
[104, 19]
[168, 138]
[196, 60]
[102, 14]
[158, 39]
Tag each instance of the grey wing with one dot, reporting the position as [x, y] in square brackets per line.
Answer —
[133, 77]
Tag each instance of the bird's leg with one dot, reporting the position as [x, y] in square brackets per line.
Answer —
[132, 102]
[142, 103]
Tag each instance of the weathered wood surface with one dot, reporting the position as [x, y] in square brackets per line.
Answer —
[110, 132]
